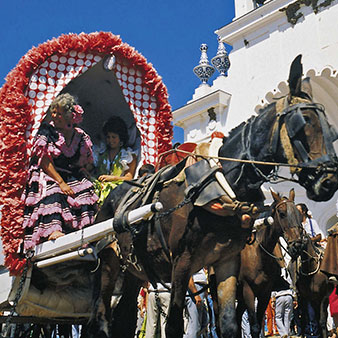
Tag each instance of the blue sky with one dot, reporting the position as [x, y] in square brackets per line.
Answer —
[167, 33]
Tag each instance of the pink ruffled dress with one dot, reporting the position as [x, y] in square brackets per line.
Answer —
[47, 208]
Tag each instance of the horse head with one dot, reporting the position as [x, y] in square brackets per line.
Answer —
[311, 137]
[287, 217]
[293, 132]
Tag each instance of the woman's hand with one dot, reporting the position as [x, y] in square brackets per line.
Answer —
[108, 178]
[198, 301]
[48, 167]
[66, 189]
[54, 235]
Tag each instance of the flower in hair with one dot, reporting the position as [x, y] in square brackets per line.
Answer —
[77, 113]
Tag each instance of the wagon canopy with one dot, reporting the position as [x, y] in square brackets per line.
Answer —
[107, 76]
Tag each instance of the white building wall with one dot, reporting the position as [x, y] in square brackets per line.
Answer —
[264, 45]
[259, 67]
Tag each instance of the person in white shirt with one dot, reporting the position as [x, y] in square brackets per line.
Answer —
[157, 309]
[329, 264]
[310, 225]
[195, 307]
[283, 295]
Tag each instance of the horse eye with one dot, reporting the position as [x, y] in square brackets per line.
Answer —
[282, 214]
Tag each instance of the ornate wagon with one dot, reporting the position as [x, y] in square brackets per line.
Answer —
[109, 78]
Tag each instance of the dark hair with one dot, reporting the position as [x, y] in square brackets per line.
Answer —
[117, 126]
[146, 169]
[305, 209]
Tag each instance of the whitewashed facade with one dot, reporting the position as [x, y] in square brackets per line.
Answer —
[264, 43]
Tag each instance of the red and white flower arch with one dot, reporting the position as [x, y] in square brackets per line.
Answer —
[38, 78]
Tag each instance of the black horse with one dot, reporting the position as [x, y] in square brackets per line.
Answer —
[192, 233]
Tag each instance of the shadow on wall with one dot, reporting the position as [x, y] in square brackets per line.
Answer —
[331, 221]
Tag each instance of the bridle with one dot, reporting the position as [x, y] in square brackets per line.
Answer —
[293, 119]
[294, 246]
[277, 218]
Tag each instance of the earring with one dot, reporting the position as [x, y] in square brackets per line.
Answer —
[121, 144]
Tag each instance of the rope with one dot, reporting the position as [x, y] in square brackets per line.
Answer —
[230, 159]
[159, 306]
[270, 254]
[317, 259]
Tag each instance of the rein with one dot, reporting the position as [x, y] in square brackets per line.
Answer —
[285, 249]
[317, 258]
[289, 122]
[270, 254]
[230, 159]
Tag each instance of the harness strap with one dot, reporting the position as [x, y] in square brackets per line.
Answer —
[275, 134]
[195, 187]
[103, 243]
[151, 184]
[158, 229]
[301, 150]
[204, 288]
[287, 146]
[130, 197]
[163, 175]
[327, 134]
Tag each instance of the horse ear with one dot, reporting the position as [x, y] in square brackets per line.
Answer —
[275, 196]
[307, 88]
[295, 76]
[292, 195]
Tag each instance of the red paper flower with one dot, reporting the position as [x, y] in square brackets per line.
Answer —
[77, 114]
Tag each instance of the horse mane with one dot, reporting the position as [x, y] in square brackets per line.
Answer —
[261, 111]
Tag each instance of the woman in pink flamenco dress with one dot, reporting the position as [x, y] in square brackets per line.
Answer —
[59, 198]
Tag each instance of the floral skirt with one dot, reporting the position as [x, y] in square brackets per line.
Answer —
[48, 209]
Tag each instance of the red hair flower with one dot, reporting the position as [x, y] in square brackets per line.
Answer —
[77, 113]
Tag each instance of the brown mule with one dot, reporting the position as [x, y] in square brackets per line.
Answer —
[261, 261]
[313, 286]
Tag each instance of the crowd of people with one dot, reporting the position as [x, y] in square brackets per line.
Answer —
[153, 304]
[284, 316]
